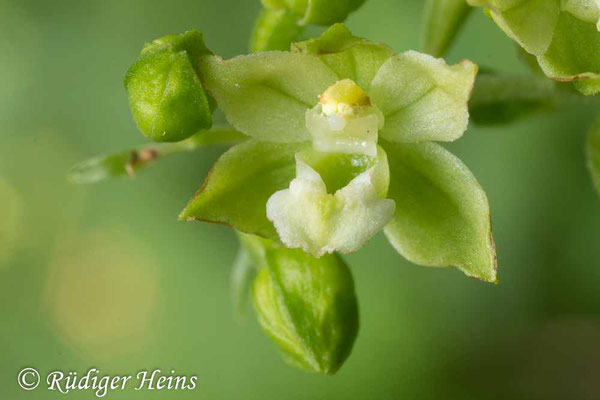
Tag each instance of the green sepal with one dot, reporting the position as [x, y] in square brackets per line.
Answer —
[443, 20]
[166, 96]
[306, 305]
[130, 162]
[347, 55]
[442, 214]
[266, 95]
[592, 151]
[563, 35]
[574, 54]
[274, 30]
[588, 84]
[238, 186]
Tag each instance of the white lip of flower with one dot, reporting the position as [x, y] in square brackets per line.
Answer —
[344, 121]
[306, 216]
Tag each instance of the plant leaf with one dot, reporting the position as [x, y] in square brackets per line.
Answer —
[306, 305]
[274, 30]
[423, 98]
[501, 99]
[563, 35]
[592, 151]
[443, 20]
[347, 55]
[266, 95]
[238, 186]
[442, 214]
[129, 162]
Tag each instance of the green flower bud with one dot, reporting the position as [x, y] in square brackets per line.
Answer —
[318, 12]
[306, 305]
[166, 96]
[275, 29]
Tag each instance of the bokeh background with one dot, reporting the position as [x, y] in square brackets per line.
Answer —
[105, 276]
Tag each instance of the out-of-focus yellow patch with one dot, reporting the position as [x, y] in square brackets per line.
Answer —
[102, 292]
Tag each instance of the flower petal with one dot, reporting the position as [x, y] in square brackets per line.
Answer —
[422, 98]
[306, 216]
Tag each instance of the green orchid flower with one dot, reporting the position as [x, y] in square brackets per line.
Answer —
[332, 142]
[341, 147]
[564, 36]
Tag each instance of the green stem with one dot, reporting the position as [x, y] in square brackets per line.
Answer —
[128, 162]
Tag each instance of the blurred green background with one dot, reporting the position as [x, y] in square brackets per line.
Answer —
[104, 276]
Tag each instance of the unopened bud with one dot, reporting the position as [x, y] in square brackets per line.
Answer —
[308, 307]
[166, 96]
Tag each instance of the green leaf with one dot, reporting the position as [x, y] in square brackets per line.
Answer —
[242, 277]
[592, 151]
[443, 20]
[274, 30]
[347, 55]
[166, 96]
[238, 186]
[306, 305]
[266, 95]
[442, 214]
[423, 98]
[563, 35]
[501, 99]
[129, 162]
